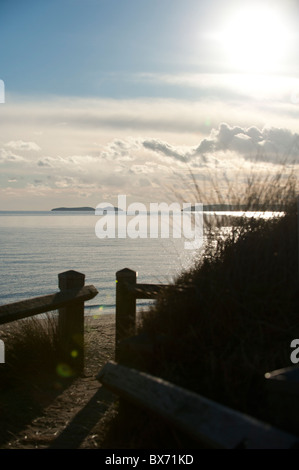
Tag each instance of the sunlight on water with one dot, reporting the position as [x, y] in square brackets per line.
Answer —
[256, 214]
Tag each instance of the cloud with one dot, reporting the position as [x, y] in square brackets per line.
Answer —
[280, 141]
[121, 146]
[66, 182]
[75, 163]
[271, 145]
[47, 162]
[21, 145]
[149, 116]
[164, 149]
[120, 150]
[8, 157]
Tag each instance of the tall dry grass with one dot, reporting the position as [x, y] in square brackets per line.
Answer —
[234, 313]
[231, 317]
[32, 351]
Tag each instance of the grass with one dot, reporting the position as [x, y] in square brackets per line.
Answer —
[237, 317]
[34, 371]
[31, 350]
[233, 315]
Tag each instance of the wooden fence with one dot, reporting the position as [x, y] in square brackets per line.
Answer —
[206, 422]
[70, 304]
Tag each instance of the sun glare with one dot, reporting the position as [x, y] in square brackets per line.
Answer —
[255, 39]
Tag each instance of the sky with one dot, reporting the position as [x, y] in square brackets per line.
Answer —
[144, 97]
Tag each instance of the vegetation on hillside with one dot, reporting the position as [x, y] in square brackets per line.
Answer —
[233, 315]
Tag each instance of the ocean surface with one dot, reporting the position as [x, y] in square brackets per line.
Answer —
[37, 246]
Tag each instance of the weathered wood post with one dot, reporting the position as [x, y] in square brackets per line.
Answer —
[71, 322]
[125, 320]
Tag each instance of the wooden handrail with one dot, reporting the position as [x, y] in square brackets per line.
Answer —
[205, 421]
[46, 303]
[147, 291]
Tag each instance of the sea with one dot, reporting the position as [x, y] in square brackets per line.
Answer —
[37, 246]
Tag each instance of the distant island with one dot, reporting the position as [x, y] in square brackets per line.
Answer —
[73, 209]
[85, 209]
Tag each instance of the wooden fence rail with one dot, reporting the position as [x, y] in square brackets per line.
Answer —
[205, 421]
[70, 304]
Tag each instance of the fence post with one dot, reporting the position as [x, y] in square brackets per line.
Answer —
[71, 322]
[125, 307]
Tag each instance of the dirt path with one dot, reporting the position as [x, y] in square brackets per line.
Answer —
[67, 422]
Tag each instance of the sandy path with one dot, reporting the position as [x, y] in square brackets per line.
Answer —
[67, 422]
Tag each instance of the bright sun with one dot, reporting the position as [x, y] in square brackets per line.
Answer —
[255, 39]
